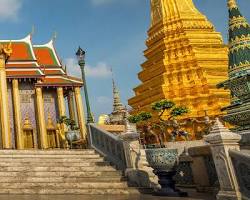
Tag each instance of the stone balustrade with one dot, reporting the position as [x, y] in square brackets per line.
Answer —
[110, 146]
[241, 163]
[222, 141]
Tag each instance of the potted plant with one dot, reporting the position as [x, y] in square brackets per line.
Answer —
[72, 134]
[163, 160]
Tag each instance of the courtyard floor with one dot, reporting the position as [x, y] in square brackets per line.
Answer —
[192, 196]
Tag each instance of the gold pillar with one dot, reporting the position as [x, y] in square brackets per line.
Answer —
[41, 118]
[5, 119]
[80, 113]
[61, 102]
[17, 114]
[71, 106]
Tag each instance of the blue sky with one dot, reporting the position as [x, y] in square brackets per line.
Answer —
[111, 31]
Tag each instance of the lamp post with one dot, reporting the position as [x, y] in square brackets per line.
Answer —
[81, 61]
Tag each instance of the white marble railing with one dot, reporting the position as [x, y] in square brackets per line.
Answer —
[112, 147]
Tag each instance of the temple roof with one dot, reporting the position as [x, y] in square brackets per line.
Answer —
[22, 49]
[46, 54]
[37, 61]
[61, 81]
[239, 42]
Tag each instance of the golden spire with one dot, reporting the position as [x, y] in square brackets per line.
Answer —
[231, 4]
[169, 9]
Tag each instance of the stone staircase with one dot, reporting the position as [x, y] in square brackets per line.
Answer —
[59, 172]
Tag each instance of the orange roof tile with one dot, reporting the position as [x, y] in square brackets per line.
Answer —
[22, 73]
[21, 51]
[54, 81]
[45, 56]
[20, 65]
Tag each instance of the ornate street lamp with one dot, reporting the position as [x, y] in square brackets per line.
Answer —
[81, 61]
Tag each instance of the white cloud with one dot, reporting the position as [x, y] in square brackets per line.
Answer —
[9, 9]
[101, 70]
[101, 2]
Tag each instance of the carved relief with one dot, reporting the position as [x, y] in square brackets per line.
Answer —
[26, 96]
[156, 11]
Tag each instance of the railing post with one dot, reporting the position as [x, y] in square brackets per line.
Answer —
[221, 141]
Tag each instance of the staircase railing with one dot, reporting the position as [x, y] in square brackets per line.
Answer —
[111, 146]
[241, 162]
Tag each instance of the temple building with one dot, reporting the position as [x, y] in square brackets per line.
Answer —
[238, 113]
[185, 60]
[33, 89]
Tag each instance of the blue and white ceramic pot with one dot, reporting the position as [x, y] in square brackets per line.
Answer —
[164, 162]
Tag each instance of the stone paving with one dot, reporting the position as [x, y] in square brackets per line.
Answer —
[192, 196]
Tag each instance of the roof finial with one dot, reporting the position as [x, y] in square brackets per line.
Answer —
[32, 31]
[232, 4]
[65, 68]
[54, 37]
[113, 80]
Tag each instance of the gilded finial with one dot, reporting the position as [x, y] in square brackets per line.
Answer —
[6, 49]
[232, 4]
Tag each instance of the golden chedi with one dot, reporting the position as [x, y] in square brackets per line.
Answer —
[185, 59]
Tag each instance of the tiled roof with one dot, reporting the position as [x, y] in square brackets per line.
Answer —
[22, 50]
[46, 54]
[60, 80]
[37, 61]
[239, 42]
[23, 73]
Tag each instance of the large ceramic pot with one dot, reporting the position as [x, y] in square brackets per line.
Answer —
[72, 136]
[164, 162]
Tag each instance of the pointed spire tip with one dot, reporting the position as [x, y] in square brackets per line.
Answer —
[232, 4]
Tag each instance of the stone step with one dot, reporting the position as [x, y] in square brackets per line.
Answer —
[23, 179]
[78, 185]
[47, 152]
[57, 169]
[51, 160]
[82, 174]
[52, 156]
[53, 164]
[59, 172]
[41, 191]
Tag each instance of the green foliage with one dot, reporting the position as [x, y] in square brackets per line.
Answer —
[143, 116]
[178, 111]
[134, 119]
[68, 122]
[163, 105]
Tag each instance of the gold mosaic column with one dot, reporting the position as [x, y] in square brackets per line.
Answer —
[61, 102]
[80, 113]
[41, 118]
[71, 106]
[5, 119]
[17, 114]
